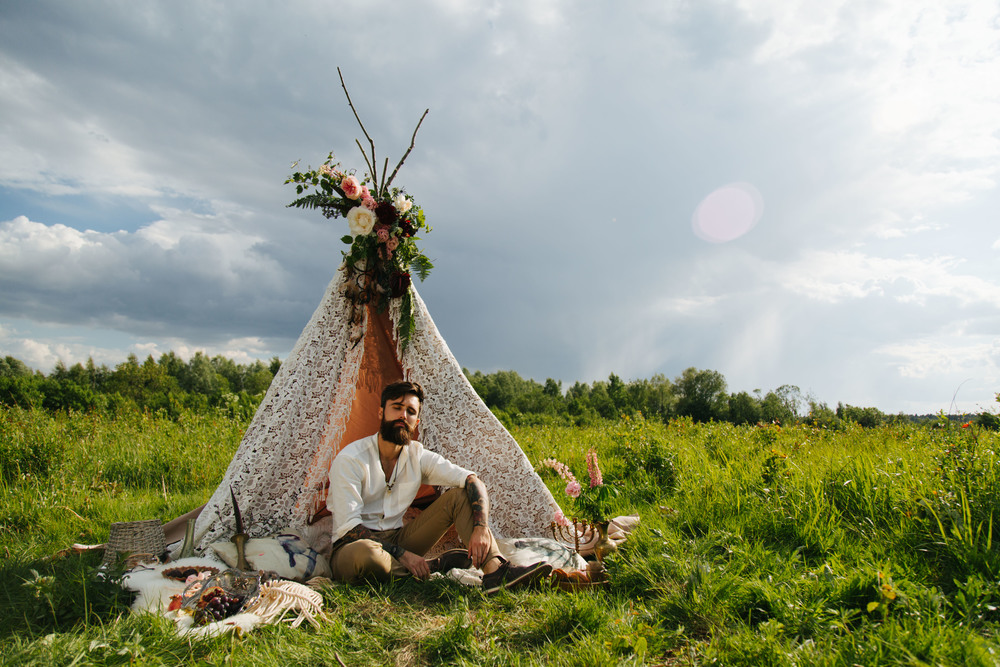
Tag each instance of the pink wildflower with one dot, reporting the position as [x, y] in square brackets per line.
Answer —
[369, 203]
[596, 479]
[561, 468]
[573, 489]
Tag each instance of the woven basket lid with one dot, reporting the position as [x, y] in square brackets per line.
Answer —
[135, 537]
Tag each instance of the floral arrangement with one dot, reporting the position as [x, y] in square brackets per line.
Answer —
[383, 221]
[590, 503]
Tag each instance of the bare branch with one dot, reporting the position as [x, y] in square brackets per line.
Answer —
[371, 170]
[413, 140]
[367, 136]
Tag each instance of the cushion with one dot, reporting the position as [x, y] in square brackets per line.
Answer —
[287, 554]
[527, 550]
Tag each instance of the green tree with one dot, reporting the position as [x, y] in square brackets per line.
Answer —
[702, 395]
[653, 397]
[744, 409]
[864, 417]
[11, 367]
[821, 416]
[200, 377]
[21, 390]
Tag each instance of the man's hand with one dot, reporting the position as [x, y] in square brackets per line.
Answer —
[479, 545]
[415, 564]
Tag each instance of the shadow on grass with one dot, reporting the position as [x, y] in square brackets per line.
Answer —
[41, 596]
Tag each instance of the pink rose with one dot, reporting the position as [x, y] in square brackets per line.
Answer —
[573, 489]
[392, 244]
[561, 520]
[351, 187]
[383, 233]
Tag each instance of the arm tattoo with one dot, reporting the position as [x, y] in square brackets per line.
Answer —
[360, 532]
[478, 500]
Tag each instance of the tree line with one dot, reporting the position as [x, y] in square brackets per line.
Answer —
[171, 385]
[701, 395]
[167, 385]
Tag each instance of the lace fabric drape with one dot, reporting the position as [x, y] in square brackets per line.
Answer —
[281, 467]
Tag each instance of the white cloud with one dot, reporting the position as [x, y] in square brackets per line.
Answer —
[947, 354]
[835, 276]
[184, 272]
[60, 148]
[160, 147]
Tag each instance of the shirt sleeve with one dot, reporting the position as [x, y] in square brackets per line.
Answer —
[436, 470]
[344, 498]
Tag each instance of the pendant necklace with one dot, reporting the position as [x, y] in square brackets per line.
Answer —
[391, 482]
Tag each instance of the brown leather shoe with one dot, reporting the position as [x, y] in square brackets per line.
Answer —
[514, 576]
[450, 559]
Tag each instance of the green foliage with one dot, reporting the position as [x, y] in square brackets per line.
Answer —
[865, 417]
[169, 386]
[13, 368]
[66, 477]
[702, 395]
[31, 445]
[820, 543]
[57, 594]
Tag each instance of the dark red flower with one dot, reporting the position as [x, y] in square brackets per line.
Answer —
[406, 227]
[386, 213]
[398, 284]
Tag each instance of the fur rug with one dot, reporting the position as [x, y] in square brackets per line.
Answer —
[155, 591]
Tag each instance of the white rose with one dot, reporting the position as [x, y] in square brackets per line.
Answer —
[360, 220]
[401, 203]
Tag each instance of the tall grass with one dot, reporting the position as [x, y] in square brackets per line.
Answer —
[758, 545]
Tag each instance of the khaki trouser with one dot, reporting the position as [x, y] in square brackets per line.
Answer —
[367, 558]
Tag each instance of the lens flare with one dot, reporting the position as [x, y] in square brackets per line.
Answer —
[728, 213]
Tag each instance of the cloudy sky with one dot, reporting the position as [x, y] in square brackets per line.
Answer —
[785, 191]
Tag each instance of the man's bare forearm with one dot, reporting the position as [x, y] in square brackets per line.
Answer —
[478, 500]
[360, 532]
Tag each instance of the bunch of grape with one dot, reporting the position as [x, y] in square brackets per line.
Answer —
[216, 605]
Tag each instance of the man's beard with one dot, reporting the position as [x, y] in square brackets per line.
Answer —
[397, 432]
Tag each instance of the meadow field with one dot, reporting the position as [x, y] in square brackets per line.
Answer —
[759, 545]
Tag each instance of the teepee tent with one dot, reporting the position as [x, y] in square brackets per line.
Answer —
[371, 329]
[326, 395]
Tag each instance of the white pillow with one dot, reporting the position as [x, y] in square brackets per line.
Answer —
[287, 554]
[527, 550]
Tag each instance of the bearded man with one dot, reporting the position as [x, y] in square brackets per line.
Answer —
[374, 480]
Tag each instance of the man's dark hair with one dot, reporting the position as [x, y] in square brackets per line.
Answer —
[400, 389]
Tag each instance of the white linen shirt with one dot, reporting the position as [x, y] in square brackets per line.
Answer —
[359, 493]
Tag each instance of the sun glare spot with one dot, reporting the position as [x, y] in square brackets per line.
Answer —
[728, 213]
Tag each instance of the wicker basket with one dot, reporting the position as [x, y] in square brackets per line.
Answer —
[135, 537]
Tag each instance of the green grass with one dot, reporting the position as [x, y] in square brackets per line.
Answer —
[758, 546]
